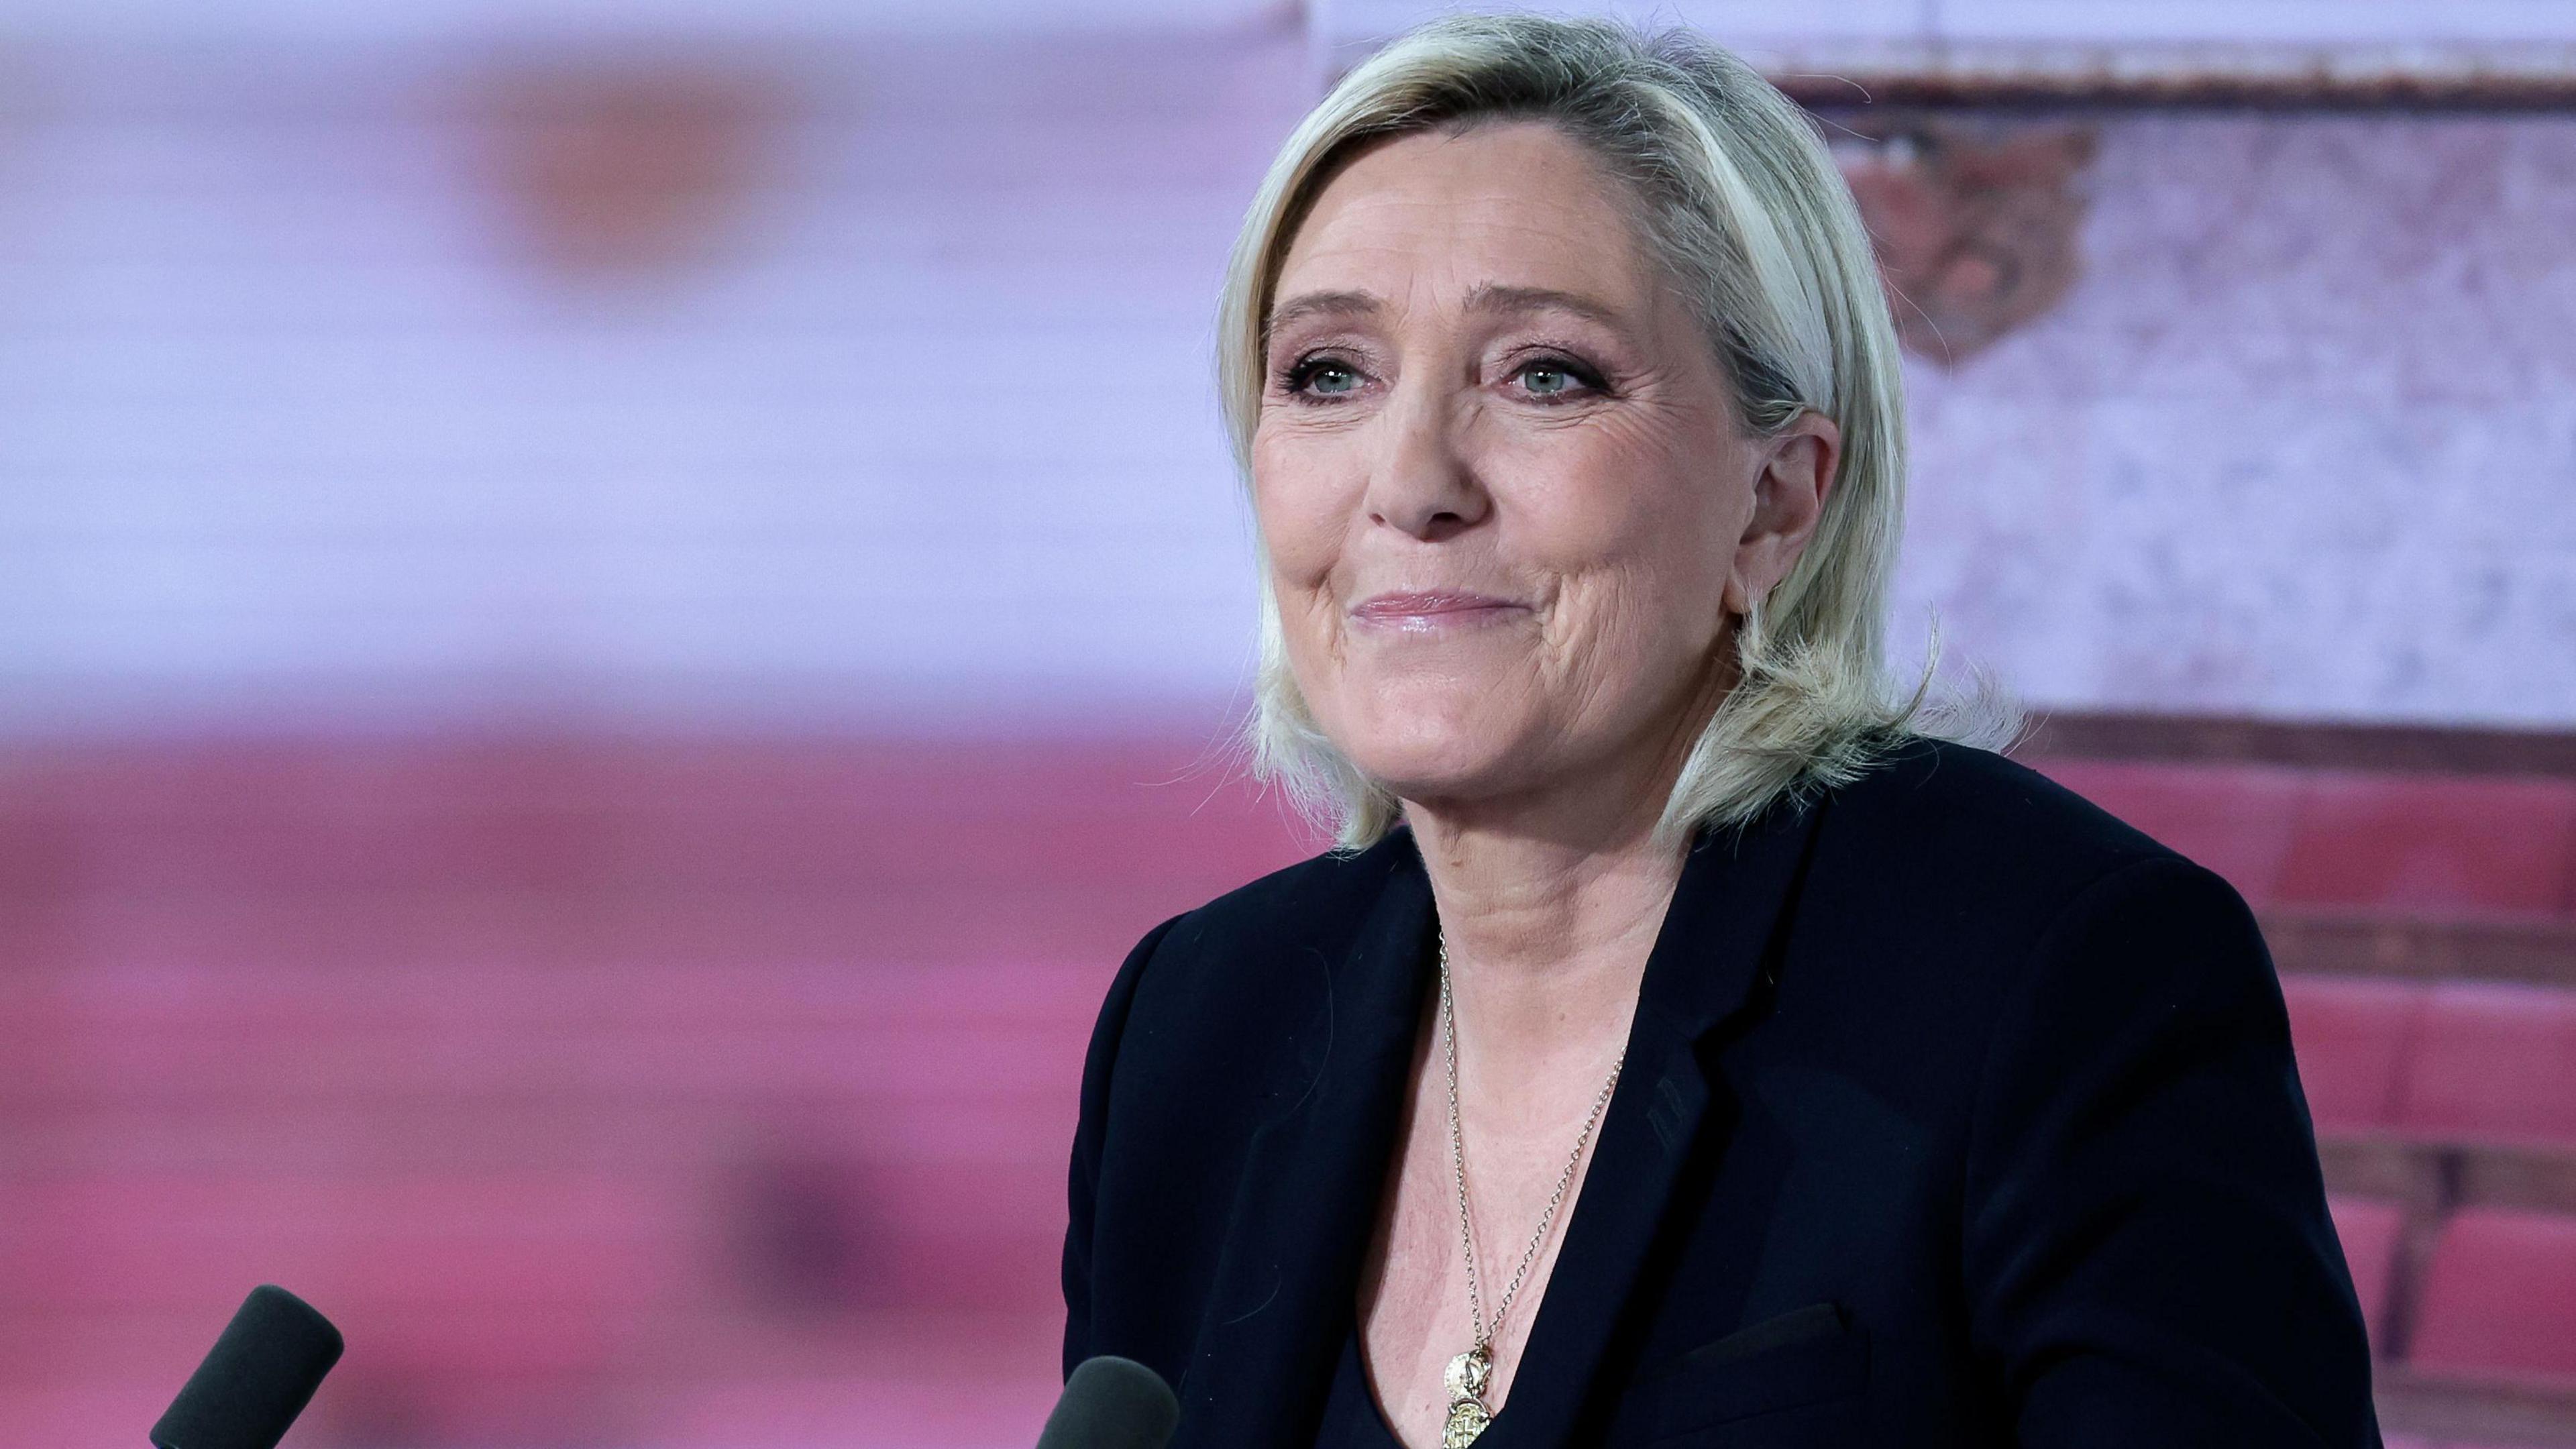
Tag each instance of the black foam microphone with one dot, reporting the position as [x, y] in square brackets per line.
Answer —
[256, 1379]
[1112, 1403]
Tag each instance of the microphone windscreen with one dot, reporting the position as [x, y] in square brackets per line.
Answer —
[256, 1379]
[1112, 1403]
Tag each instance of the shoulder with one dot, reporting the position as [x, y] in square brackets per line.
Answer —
[1940, 792]
[1966, 825]
[1964, 876]
[2007, 945]
[1263, 942]
[1251, 959]
[1316, 904]
[1243, 974]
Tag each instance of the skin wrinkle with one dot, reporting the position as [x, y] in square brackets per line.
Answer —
[1532, 754]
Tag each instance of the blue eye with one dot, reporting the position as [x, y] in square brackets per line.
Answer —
[1555, 379]
[1318, 377]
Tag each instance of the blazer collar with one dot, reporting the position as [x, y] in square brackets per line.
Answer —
[1288, 1273]
[1287, 1278]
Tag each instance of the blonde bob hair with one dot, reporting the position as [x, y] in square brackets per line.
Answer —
[1735, 195]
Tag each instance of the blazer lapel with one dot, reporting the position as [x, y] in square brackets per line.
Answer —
[1314, 1175]
[1311, 1184]
[1715, 945]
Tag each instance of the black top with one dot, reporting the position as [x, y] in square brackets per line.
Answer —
[1352, 1418]
[1956, 1112]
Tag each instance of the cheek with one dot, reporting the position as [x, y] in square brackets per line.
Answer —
[1640, 577]
[1298, 499]
[1304, 525]
[1637, 528]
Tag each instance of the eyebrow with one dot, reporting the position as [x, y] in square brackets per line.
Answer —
[1486, 297]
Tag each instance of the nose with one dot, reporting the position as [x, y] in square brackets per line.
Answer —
[1421, 482]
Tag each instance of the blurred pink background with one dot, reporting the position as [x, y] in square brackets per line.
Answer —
[611, 618]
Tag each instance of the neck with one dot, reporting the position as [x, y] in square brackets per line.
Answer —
[1534, 906]
[1551, 903]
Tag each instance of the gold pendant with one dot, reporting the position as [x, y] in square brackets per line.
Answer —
[1467, 1419]
[1468, 1416]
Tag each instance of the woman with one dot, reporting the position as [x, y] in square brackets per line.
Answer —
[1687, 1045]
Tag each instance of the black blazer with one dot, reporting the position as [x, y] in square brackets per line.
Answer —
[1956, 1113]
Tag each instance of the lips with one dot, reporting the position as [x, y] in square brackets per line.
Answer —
[1419, 610]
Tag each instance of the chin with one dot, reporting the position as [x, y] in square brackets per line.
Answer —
[1426, 734]
[1421, 763]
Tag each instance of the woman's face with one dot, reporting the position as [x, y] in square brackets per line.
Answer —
[1499, 475]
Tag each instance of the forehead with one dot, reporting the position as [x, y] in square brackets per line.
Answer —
[1517, 203]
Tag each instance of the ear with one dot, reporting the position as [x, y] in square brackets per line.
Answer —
[1798, 468]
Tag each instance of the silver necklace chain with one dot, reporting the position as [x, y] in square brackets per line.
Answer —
[1458, 1161]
